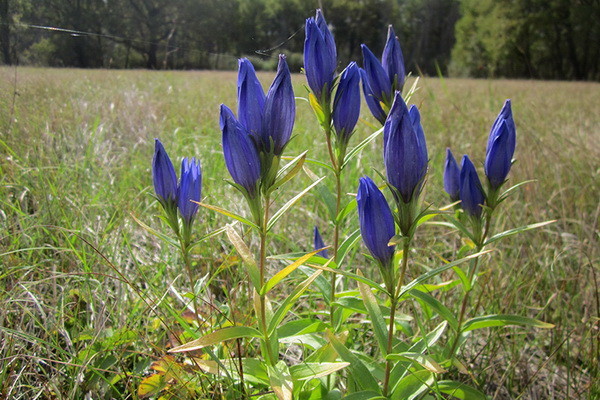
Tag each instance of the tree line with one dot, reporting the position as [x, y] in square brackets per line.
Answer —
[549, 39]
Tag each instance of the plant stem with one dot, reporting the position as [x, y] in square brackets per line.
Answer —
[262, 296]
[185, 251]
[336, 238]
[394, 298]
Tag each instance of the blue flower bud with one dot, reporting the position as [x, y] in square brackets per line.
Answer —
[251, 98]
[372, 101]
[451, 176]
[163, 175]
[241, 156]
[415, 117]
[346, 104]
[279, 111]
[405, 152]
[470, 190]
[190, 189]
[319, 244]
[505, 115]
[499, 156]
[377, 77]
[393, 61]
[376, 221]
[320, 56]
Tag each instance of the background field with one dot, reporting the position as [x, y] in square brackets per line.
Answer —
[82, 284]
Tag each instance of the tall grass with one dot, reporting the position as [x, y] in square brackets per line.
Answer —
[90, 299]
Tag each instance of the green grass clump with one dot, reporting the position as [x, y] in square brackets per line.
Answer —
[90, 299]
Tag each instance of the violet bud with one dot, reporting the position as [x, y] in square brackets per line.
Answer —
[163, 175]
[470, 190]
[346, 104]
[451, 176]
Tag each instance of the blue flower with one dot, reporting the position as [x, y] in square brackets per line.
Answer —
[470, 190]
[279, 111]
[498, 158]
[241, 156]
[377, 78]
[346, 104]
[501, 147]
[251, 99]
[320, 56]
[506, 116]
[372, 102]
[405, 152]
[164, 177]
[319, 244]
[451, 176]
[393, 61]
[190, 189]
[376, 221]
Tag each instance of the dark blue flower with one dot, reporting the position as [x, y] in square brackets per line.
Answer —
[377, 78]
[470, 190]
[319, 244]
[241, 156]
[376, 221]
[190, 189]
[415, 117]
[372, 102]
[405, 152]
[251, 98]
[506, 116]
[320, 56]
[279, 111]
[393, 61]
[163, 175]
[499, 156]
[346, 104]
[451, 176]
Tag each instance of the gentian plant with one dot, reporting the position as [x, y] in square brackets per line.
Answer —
[408, 354]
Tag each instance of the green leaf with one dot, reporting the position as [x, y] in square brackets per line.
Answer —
[437, 271]
[511, 232]
[417, 358]
[230, 214]
[289, 170]
[207, 236]
[232, 332]
[459, 225]
[513, 188]
[286, 271]
[352, 153]
[300, 327]
[437, 306]
[460, 390]
[281, 381]
[364, 395]
[360, 373]
[379, 326]
[347, 245]
[350, 275]
[348, 208]
[488, 321]
[430, 339]
[246, 254]
[287, 304]
[153, 231]
[279, 213]
[412, 386]
[307, 371]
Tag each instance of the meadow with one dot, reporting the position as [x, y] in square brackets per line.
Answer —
[89, 298]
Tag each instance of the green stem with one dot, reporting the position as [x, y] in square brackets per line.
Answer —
[394, 303]
[262, 266]
[336, 239]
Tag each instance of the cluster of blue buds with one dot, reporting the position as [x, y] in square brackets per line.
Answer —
[464, 184]
[320, 63]
[382, 79]
[173, 195]
[253, 144]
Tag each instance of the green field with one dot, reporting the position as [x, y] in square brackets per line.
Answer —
[84, 288]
